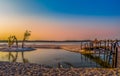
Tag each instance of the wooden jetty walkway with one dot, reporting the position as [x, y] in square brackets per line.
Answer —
[109, 49]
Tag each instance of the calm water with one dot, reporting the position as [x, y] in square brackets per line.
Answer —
[46, 43]
[49, 43]
[50, 57]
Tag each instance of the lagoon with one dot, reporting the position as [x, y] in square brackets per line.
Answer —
[49, 57]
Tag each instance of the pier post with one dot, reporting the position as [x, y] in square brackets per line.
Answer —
[116, 56]
[105, 44]
[99, 47]
[113, 59]
[107, 50]
[100, 43]
[81, 45]
[104, 49]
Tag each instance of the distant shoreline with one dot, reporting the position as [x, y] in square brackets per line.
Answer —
[50, 41]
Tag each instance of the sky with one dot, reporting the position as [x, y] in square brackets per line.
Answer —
[60, 19]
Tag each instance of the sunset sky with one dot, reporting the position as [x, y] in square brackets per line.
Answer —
[60, 19]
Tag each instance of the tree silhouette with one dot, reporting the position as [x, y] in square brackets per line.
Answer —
[11, 40]
[26, 36]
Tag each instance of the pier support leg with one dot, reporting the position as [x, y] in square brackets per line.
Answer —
[116, 56]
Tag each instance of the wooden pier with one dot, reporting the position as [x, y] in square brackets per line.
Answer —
[106, 50]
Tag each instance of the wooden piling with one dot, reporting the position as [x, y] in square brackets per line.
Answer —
[116, 56]
[109, 52]
[81, 45]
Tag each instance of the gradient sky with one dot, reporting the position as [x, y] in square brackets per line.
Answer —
[60, 19]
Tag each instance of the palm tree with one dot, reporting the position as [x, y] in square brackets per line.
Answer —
[26, 36]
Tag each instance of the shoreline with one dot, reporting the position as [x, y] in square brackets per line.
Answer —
[32, 69]
[28, 69]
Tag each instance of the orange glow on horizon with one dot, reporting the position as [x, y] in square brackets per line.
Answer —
[50, 30]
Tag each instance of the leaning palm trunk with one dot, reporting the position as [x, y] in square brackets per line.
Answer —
[26, 36]
[23, 43]
[16, 41]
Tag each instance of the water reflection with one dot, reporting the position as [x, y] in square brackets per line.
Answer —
[51, 57]
[12, 57]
